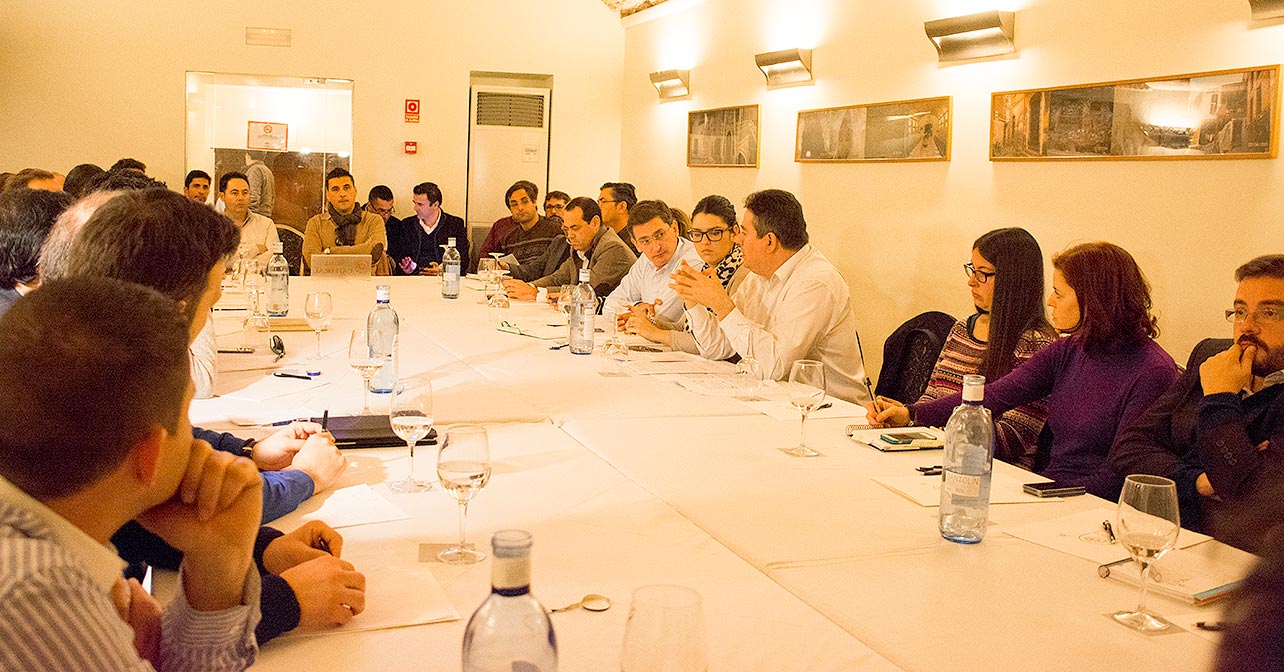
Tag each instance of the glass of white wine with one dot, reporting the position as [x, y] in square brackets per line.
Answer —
[806, 393]
[1148, 524]
[486, 271]
[319, 308]
[411, 419]
[362, 356]
[463, 469]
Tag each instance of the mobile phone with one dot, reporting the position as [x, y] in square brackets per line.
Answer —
[902, 438]
[1053, 489]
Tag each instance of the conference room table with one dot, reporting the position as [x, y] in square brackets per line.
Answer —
[802, 563]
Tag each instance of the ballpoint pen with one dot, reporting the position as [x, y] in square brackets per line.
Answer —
[1110, 530]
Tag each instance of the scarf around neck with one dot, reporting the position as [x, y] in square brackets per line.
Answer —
[726, 269]
[345, 226]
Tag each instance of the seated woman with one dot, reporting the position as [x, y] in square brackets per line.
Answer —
[1100, 378]
[711, 228]
[1008, 328]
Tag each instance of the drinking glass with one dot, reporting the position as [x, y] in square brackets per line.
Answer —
[362, 356]
[665, 631]
[486, 272]
[565, 295]
[319, 308]
[498, 306]
[463, 469]
[615, 350]
[254, 284]
[411, 419]
[748, 379]
[1148, 525]
[806, 392]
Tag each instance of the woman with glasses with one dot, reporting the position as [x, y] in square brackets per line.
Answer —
[1101, 377]
[713, 221]
[1005, 276]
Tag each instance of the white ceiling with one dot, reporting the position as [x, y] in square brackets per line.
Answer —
[627, 7]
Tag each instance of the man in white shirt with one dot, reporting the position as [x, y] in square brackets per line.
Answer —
[794, 305]
[258, 233]
[645, 288]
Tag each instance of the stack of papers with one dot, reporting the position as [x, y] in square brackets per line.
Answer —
[1082, 535]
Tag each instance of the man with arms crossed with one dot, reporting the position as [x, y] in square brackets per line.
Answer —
[343, 228]
[794, 305]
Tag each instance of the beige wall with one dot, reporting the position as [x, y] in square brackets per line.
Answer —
[84, 81]
[899, 232]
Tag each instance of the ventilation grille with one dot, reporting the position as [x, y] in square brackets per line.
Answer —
[510, 109]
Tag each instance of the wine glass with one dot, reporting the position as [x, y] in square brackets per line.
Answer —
[748, 379]
[319, 308]
[615, 350]
[1148, 524]
[411, 419]
[806, 392]
[565, 297]
[665, 632]
[254, 283]
[486, 271]
[362, 356]
[463, 468]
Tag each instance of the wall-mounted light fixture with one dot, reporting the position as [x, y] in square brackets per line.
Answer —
[785, 67]
[1266, 9]
[974, 36]
[672, 83]
[268, 37]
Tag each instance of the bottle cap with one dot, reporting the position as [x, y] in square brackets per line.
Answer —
[511, 543]
[450, 242]
[278, 247]
[383, 293]
[584, 275]
[973, 388]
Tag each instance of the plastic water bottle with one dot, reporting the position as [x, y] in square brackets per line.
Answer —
[278, 272]
[510, 631]
[450, 263]
[583, 309]
[383, 321]
[967, 465]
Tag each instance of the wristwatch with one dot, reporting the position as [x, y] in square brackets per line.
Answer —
[325, 251]
[247, 449]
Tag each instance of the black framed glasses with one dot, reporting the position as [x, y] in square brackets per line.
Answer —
[714, 235]
[1266, 315]
[659, 236]
[981, 277]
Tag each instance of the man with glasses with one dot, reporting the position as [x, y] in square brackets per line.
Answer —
[1219, 430]
[645, 289]
[555, 204]
[616, 199]
[593, 246]
[380, 202]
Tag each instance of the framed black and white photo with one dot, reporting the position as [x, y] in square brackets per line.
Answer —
[726, 137]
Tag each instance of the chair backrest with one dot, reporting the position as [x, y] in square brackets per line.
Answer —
[910, 354]
[344, 265]
[1205, 349]
[291, 247]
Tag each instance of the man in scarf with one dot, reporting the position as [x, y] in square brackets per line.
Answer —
[345, 229]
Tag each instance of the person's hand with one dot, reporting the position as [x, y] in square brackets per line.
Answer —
[643, 310]
[141, 612]
[521, 291]
[646, 329]
[320, 459]
[889, 416]
[330, 591]
[1228, 371]
[213, 518]
[1204, 486]
[504, 265]
[313, 540]
[277, 451]
[700, 289]
[407, 265]
[433, 268]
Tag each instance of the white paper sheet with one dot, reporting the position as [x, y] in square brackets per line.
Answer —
[355, 505]
[268, 386]
[720, 384]
[926, 490]
[1082, 535]
[689, 365]
[784, 411]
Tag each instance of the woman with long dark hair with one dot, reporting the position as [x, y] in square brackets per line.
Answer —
[1100, 378]
[1005, 276]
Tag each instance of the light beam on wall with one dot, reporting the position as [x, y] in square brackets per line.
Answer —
[974, 36]
[671, 83]
[1266, 9]
[268, 37]
[789, 66]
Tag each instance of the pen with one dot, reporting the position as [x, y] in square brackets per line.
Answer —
[559, 346]
[1211, 626]
[282, 374]
[823, 406]
[1105, 525]
[325, 419]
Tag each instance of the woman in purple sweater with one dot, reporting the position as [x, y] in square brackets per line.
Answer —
[1105, 374]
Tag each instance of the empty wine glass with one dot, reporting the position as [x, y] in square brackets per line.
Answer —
[748, 378]
[319, 308]
[411, 418]
[463, 469]
[615, 350]
[254, 284]
[362, 356]
[1148, 524]
[665, 631]
[806, 392]
[486, 271]
[564, 299]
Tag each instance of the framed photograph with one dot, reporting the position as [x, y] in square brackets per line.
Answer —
[267, 135]
[1229, 114]
[727, 136]
[904, 130]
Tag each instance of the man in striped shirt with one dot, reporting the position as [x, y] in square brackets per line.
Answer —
[95, 390]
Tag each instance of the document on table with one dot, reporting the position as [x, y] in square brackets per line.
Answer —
[652, 367]
[352, 506]
[926, 490]
[784, 411]
[719, 384]
[267, 386]
[542, 332]
[1082, 535]
[1190, 576]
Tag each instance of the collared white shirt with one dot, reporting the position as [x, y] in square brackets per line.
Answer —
[646, 283]
[99, 560]
[429, 228]
[803, 311]
[259, 230]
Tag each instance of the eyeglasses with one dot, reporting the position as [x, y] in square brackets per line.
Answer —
[659, 236]
[604, 201]
[1260, 316]
[382, 211]
[980, 276]
[554, 206]
[714, 235]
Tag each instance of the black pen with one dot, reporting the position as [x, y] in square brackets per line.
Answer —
[1211, 626]
[325, 419]
[282, 374]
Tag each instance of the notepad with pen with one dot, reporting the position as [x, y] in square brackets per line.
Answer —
[896, 439]
[1181, 574]
[366, 431]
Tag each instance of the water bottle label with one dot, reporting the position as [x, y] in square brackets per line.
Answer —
[962, 485]
[451, 275]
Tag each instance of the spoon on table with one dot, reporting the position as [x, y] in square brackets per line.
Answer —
[591, 602]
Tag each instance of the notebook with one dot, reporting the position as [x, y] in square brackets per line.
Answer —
[367, 431]
[920, 438]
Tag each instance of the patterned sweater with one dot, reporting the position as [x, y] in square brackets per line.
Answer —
[1016, 433]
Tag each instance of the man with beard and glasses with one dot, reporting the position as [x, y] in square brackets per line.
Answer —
[1219, 430]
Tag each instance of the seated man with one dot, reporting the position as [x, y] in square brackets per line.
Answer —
[343, 228]
[525, 234]
[104, 389]
[34, 178]
[594, 245]
[794, 305]
[416, 243]
[555, 204]
[645, 289]
[258, 233]
[380, 202]
[616, 199]
[1219, 429]
[196, 185]
[26, 217]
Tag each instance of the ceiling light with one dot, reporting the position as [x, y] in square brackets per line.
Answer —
[672, 83]
[785, 67]
[974, 36]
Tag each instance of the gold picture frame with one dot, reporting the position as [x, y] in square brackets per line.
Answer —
[1223, 114]
[723, 137]
[900, 130]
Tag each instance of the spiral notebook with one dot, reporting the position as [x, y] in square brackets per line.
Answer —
[367, 431]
